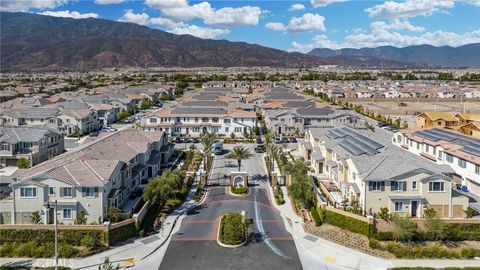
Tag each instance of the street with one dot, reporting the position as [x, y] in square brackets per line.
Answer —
[194, 244]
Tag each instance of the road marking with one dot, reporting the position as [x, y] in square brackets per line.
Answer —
[330, 259]
[192, 239]
[130, 261]
[261, 229]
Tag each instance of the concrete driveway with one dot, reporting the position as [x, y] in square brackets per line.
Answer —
[194, 245]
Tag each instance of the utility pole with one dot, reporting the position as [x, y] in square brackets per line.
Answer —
[56, 235]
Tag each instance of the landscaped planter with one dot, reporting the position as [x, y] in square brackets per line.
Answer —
[232, 231]
[239, 191]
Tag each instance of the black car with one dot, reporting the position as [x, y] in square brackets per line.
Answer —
[260, 149]
[285, 140]
[177, 140]
[259, 140]
[293, 140]
[195, 140]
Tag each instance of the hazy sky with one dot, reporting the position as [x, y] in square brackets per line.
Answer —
[287, 25]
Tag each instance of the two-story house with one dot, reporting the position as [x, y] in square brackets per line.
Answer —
[376, 175]
[92, 179]
[36, 144]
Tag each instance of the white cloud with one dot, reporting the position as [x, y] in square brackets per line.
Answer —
[138, 18]
[324, 3]
[409, 8]
[303, 48]
[108, 2]
[228, 16]
[23, 5]
[319, 41]
[180, 10]
[201, 32]
[308, 22]
[396, 24]
[69, 14]
[181, 28]
[296, 7]
[277, 26]
[160, 4]
[437, 38]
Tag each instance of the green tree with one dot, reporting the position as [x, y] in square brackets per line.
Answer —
[403, 228]
[81, 218]
[239, 153]
[272, 150]
[23, 163]
[35, 217]
[163, 187]
[122, 115]
[114, 214]
[207, 139]
[145, 105]
[434, 226]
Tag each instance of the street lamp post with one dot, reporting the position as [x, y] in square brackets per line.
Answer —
[49, 206]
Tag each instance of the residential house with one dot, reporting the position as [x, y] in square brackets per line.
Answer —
[446, 147]
[35, 144]
[436, 119]
[376, 175]
[92, 179]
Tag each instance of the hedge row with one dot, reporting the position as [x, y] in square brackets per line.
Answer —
[419, 251]
[452, 232]
[122, 233]
[74, 237]
[348, 223]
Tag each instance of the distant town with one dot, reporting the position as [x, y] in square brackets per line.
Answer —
[340, 168]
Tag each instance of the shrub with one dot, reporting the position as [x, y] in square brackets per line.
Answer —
[348, 223]
[278, 193]
[383, 213]
[23, 163]
[315, 216]
[122, 233]
[232, 228]
[65, 250]
[470, 212]
[375, 244]
[89, 241]
[239, 190]
[35, 217]
[81, 218]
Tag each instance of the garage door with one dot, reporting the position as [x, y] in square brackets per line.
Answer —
[474, 187]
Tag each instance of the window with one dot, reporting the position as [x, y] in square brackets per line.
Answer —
[89, 192]
[204, 120]
[28, 192]
[462, 163]
[67, 213]
[376, 185]
[238, 129]
[398, 206]
[414, 185]
[196, 119]
[215, 120]
[440, 154]
[226, 121]
[227, 129]
[399, 186]
[153, 120]
[477, 169]
[418, 146]
[67, 192]
[51, 191]
[196, 129]
[399, 138]
[436, 186]
[5, 146]
[449, 158]
[427, 148]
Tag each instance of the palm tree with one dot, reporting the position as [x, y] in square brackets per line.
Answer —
[239, 153]
[207, 140]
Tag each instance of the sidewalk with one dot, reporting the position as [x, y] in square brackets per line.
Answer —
[136, 253]
[320, 251]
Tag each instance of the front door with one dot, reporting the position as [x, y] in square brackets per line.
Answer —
[414, 208]
[51, 217]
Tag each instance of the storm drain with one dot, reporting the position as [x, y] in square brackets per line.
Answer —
[311, 238]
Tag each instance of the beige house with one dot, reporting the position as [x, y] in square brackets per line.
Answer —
[92, 179]
[358, 168]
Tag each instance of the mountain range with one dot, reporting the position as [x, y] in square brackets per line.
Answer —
[32, 42]
[422, 55]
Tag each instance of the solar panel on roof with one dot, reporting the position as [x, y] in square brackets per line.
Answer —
[351, 148]
[471, 150]
[198, 111]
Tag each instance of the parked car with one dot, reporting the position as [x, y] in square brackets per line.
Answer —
[260, 149]
[259, 140]
[177, 140]
[284, 140]
[293, 140]
[93, 134]
[278, 140]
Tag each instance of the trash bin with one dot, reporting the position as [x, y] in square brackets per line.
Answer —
[464, 188]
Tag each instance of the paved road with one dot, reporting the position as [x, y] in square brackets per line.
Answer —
[194, 245]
